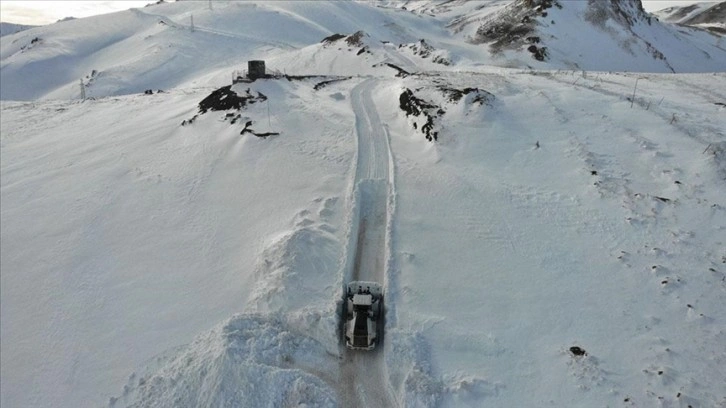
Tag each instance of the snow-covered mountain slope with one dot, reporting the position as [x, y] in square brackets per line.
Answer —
[200, 266]
[708, 15]
[559, 232]
[11, 28]
[188, 44]
[155, 48]
[590, 35]
[160, 231]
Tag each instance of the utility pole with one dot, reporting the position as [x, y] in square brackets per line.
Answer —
[83, 91]
[210, 4]
[635, 88]
[192, 19]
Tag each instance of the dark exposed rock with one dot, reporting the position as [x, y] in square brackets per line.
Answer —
[409, 103]
[412, 105]
[432, 112]
[425, 50]
[261, 135]
[513, 25]
[714, 14]
[323, 84]
[454, 95]
[355, 39]
[332, 38]
[539, 53]
[401, 72]
[578, 351]
[189, 121]
[225, 99]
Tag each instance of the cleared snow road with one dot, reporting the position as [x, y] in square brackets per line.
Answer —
[365, 380]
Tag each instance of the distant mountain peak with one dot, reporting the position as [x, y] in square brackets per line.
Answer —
[625, 12]
[704, 15]
[12, 28]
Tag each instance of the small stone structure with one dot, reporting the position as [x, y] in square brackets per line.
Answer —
[255, 69]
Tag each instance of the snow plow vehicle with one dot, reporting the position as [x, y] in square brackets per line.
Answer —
[363, 311]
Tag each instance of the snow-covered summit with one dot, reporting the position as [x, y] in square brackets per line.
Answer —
[11, 28]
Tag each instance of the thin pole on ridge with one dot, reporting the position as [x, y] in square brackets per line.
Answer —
[634, 89]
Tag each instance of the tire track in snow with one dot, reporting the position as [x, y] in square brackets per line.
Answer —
[364, 379]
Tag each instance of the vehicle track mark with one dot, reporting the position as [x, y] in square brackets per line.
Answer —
[364, 378]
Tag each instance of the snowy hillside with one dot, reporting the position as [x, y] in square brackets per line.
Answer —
[10, 28]
[188, 44]
[544, 237]
[578, 34]
[711, 16]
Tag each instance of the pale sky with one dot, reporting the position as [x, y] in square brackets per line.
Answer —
[38, 12]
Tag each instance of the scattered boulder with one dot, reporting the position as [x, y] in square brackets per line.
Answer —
[578, 351]
[539, 53]
[189, 121]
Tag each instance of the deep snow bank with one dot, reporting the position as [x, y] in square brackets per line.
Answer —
[247, 361]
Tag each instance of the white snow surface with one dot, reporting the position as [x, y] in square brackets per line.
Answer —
[145, 263]
[187, 44]
[11, 28]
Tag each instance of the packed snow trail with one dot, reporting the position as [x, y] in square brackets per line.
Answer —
[364, 379]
